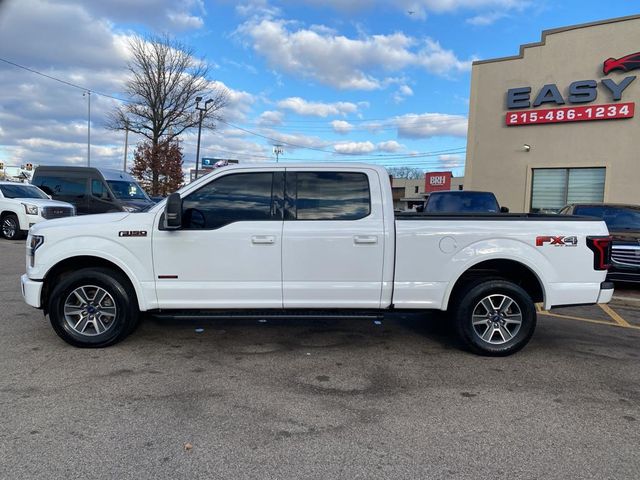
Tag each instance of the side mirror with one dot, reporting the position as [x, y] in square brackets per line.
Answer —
[504, 210]
[173, 212]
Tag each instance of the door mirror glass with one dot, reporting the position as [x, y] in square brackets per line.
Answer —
[504, 210]
[173, 212]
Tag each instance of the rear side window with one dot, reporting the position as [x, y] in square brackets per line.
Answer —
[327, 196]
[68, 186]
[232, 198]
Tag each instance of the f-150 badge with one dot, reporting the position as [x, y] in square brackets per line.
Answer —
[132, 233]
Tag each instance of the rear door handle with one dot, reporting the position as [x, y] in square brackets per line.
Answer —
[365, 239]
[263, 239]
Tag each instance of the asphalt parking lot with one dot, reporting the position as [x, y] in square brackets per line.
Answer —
[317, 399]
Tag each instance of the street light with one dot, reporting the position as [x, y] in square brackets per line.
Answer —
[202, 111]
[88, 95]
[277, 151]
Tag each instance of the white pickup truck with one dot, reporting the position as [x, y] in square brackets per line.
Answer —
[319, 239]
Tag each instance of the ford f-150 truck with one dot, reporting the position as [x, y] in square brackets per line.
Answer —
[313, 239]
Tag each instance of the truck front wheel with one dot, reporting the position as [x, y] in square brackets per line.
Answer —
[93, 308]
[494, 317]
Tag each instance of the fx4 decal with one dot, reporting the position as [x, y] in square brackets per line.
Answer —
[558, 241]
[132, 233]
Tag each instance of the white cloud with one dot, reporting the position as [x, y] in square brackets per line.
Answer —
[270, 118]
[240, 102]
[390, 146]
[342, 62]
[402, 93]
[293, 141]
[342, 127]
[303, 107]
[484, 19]
[428, 125]
[354, 147]
[451, 160]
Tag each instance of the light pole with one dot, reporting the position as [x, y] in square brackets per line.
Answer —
[202, 111]
[278, 150]
[126, 144]
[88, 95]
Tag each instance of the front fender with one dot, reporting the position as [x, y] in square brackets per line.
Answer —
[134, 260]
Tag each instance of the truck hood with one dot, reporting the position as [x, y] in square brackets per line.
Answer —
[43, 202]
[80, 222]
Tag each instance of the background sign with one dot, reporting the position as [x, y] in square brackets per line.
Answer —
[571, 114]
[435, 181]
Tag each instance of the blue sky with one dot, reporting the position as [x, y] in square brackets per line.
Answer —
[368, 80]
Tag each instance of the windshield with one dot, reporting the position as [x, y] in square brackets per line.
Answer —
[22, 191]
[127, 190]
[616, 218]
[462, 202]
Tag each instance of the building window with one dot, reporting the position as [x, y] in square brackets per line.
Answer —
[553, 188]
[416, 189]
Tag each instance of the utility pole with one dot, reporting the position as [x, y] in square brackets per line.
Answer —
[88, 95]
[202, 112]
[278, 150]
[126, 145]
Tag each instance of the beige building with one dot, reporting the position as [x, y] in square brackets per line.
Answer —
[557, 124]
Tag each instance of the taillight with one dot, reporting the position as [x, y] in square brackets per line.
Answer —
[601, 248]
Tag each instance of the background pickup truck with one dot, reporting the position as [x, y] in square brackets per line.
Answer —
[318, 239]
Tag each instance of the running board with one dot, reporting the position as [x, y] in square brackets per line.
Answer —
[268, 314]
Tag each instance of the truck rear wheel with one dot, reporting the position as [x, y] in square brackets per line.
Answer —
[494, 317]
[93, 308]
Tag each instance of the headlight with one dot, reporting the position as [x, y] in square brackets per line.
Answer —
[30, 209]
[127, 208]
[35, 243]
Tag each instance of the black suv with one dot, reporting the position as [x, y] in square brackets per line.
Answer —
[623, 222]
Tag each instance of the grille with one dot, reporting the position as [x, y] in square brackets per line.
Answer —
[56, 212]
[628, 255]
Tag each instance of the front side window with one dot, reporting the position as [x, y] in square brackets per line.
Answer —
[228, 199]
[327, 196]
[97, 188]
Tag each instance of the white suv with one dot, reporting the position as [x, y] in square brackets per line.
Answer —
[22, 205]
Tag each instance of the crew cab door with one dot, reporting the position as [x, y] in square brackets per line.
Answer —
[228, 252]
[333, 239]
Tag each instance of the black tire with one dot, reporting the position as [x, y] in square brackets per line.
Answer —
[11, 227]
[120, 304]
[490, 337]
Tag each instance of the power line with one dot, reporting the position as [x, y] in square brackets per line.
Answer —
[359, 156]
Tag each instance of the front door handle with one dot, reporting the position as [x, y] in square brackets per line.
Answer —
[263, 239]
[365, 239]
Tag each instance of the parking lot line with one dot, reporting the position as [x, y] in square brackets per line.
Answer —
[618, 321]
[614, 315]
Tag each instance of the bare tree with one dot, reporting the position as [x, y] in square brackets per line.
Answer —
[406, 172]
[166, 78]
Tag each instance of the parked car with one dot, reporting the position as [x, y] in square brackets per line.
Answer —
[310, 239]
[623, 222]
[462, 201]
[92, 190]
[23, 205]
